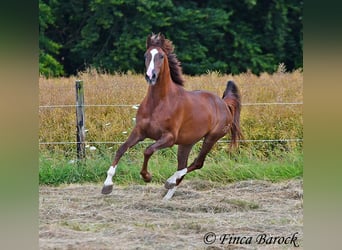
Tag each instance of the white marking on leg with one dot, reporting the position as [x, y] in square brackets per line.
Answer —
[170, 193]
[110, 174]
[151, 66]
[177, 175]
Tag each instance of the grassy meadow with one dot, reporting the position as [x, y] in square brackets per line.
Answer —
[252, 160]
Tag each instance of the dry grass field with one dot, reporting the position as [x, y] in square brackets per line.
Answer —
[135, 217]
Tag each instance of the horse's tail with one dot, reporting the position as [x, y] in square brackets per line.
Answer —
[232, 98]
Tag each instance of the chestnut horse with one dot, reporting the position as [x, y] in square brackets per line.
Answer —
[171, 115]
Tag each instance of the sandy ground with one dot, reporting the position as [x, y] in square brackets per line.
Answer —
[135, 217]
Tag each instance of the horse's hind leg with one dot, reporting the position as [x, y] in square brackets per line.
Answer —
[208, 143]
[182, 158]
[133, 139]
[177, 177]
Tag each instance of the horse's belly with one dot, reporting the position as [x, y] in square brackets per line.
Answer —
[191, 136]
[187, 141]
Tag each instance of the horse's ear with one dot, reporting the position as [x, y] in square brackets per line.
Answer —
[148, 41]
[161, 39]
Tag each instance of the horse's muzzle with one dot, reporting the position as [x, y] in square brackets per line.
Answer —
[151, 80]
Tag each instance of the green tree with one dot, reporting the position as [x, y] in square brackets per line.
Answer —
[200, 43]
[48, 65]
[113, 37]
[223, 35]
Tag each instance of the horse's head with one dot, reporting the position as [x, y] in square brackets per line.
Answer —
[159, 58]
[154, 62]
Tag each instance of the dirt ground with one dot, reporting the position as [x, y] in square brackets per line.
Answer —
[136, 217]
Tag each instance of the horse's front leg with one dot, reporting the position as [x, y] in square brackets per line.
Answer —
[167, 140]
[132, 140]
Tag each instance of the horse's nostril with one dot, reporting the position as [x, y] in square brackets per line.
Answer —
[153, 74]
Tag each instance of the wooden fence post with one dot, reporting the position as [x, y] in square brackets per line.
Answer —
[80, 136]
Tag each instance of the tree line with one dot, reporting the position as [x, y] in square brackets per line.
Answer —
[209, 35]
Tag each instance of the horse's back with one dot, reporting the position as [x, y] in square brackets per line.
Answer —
[203, 113]
[209, 101]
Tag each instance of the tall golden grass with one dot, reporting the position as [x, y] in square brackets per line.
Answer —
[115, 123]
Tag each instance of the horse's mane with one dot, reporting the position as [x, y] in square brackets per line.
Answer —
[166, 45]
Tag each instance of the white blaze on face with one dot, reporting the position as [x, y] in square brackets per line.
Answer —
[151, 66]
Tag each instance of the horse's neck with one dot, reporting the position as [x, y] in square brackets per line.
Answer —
[163, 89]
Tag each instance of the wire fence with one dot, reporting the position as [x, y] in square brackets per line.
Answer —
[146, 142]
[136, 106]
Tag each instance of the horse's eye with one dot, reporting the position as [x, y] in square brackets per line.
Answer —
[161, 56]
[145, 56]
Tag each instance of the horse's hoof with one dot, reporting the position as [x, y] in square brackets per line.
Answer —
[107, 189]
[147, 177]
[169, 194]
[169, 185]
